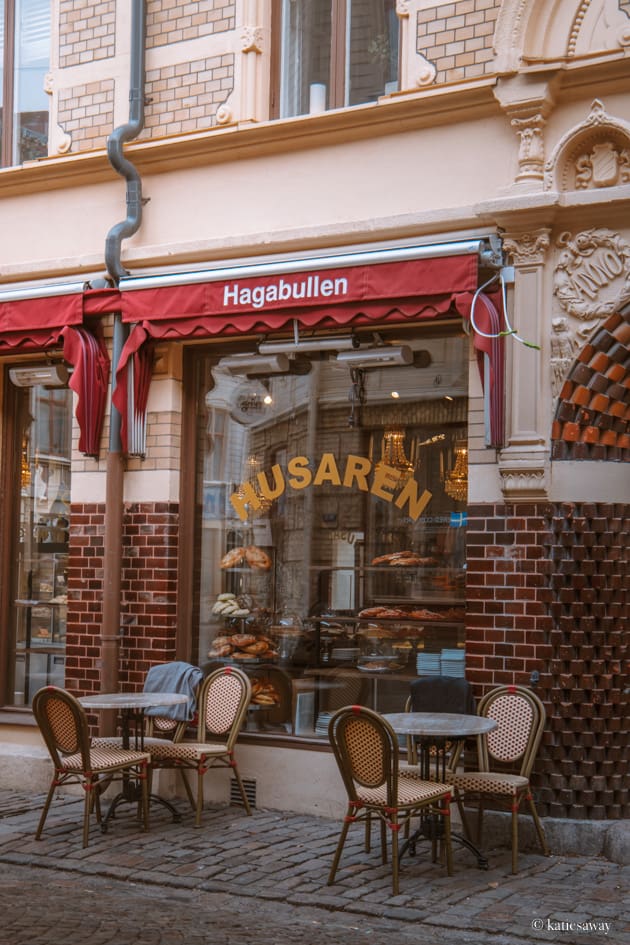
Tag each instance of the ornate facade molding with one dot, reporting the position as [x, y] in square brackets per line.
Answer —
[594, 154]
[531, 154]
[524, 477]
[591, 279]
[527, 248]
[252, 39]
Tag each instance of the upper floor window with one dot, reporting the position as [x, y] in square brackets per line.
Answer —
[24, 61]
[334, 53]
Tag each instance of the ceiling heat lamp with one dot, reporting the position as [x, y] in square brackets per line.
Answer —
[380, 356]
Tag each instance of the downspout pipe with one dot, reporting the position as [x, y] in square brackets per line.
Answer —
[121, 136]
[114, 488]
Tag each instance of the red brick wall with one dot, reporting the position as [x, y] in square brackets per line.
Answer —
[148, 592]
[547, 590]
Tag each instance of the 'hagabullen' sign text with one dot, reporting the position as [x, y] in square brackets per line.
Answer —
[310, 288]
[359, 473]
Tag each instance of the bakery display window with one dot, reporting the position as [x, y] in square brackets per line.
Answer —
[330, 539]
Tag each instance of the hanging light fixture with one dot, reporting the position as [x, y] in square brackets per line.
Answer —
[25, 466]
[393, 453]
[253, 468]
[456, 485]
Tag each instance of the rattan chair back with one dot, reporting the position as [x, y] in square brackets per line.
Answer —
[520, 718]
[223, 700]
[366, 749]
[63, 723]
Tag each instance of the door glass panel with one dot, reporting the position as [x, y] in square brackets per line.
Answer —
[40, 593]
[331, 536]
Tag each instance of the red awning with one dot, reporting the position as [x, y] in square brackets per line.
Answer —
[89, 380]
[43, 322]
[36, 323]
[414, 288]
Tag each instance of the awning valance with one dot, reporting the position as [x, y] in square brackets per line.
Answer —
[333, 295]
[40, 319]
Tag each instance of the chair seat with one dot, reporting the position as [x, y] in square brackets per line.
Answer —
[183, 751]
[410, 791]
[490, 782]
[105, 758]
[115, 741]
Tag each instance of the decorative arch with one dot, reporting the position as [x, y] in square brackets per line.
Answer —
[596, 153]
[548, 30]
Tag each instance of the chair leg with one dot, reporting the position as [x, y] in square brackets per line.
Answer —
[462, 814]
[515, 806]
[188, 789]
[539, 827]
[368, 832]
[200, 774]
[340, 844]
[146, 779]
[44, 813]
[394, 828]
[383, 841]
[89, 786]
[448, 850]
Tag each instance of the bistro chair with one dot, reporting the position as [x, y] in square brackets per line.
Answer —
[168, 721]
[520, 717]
[438, 694]
[366, 750]
[222, 706]
[64, 726]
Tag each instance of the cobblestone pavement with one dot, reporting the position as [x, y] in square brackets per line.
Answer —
[261, 880]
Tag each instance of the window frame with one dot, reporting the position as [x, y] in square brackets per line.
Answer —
[337, 78]
[7, 119]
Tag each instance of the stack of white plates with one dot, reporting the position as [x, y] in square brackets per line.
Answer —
[321, 726]
[428, 664]
[453, 663]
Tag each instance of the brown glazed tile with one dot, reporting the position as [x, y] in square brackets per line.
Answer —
[571, 432]
[600, 361]
[599, 403]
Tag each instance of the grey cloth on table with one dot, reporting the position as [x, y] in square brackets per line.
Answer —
[442, 694]
[174, 677]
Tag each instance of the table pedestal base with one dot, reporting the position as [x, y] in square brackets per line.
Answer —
[431, 829]
[132, 794]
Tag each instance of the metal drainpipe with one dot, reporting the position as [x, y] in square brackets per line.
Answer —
[114, 490]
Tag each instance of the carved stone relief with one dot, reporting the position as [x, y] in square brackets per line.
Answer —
[531, 155]
[595, 154]
[252, 39]
[591, 280]
[416, 70]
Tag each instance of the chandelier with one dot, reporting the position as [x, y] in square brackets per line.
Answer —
[456, 485]
[393, 453]
[25, 466]
[253, 468]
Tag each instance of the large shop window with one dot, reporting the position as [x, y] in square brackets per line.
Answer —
[25, 27]
[331, 533]
[41, 503]
[335, 53]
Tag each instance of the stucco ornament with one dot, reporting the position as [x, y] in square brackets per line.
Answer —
[531, 155]
[594, 154]
[564, 346]
[224, 115]
[252, 39]
[592, 276]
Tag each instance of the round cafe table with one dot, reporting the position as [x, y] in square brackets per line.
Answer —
[434, 732]
[132, 707]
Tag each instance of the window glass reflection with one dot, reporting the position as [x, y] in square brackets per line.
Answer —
[331, 548]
